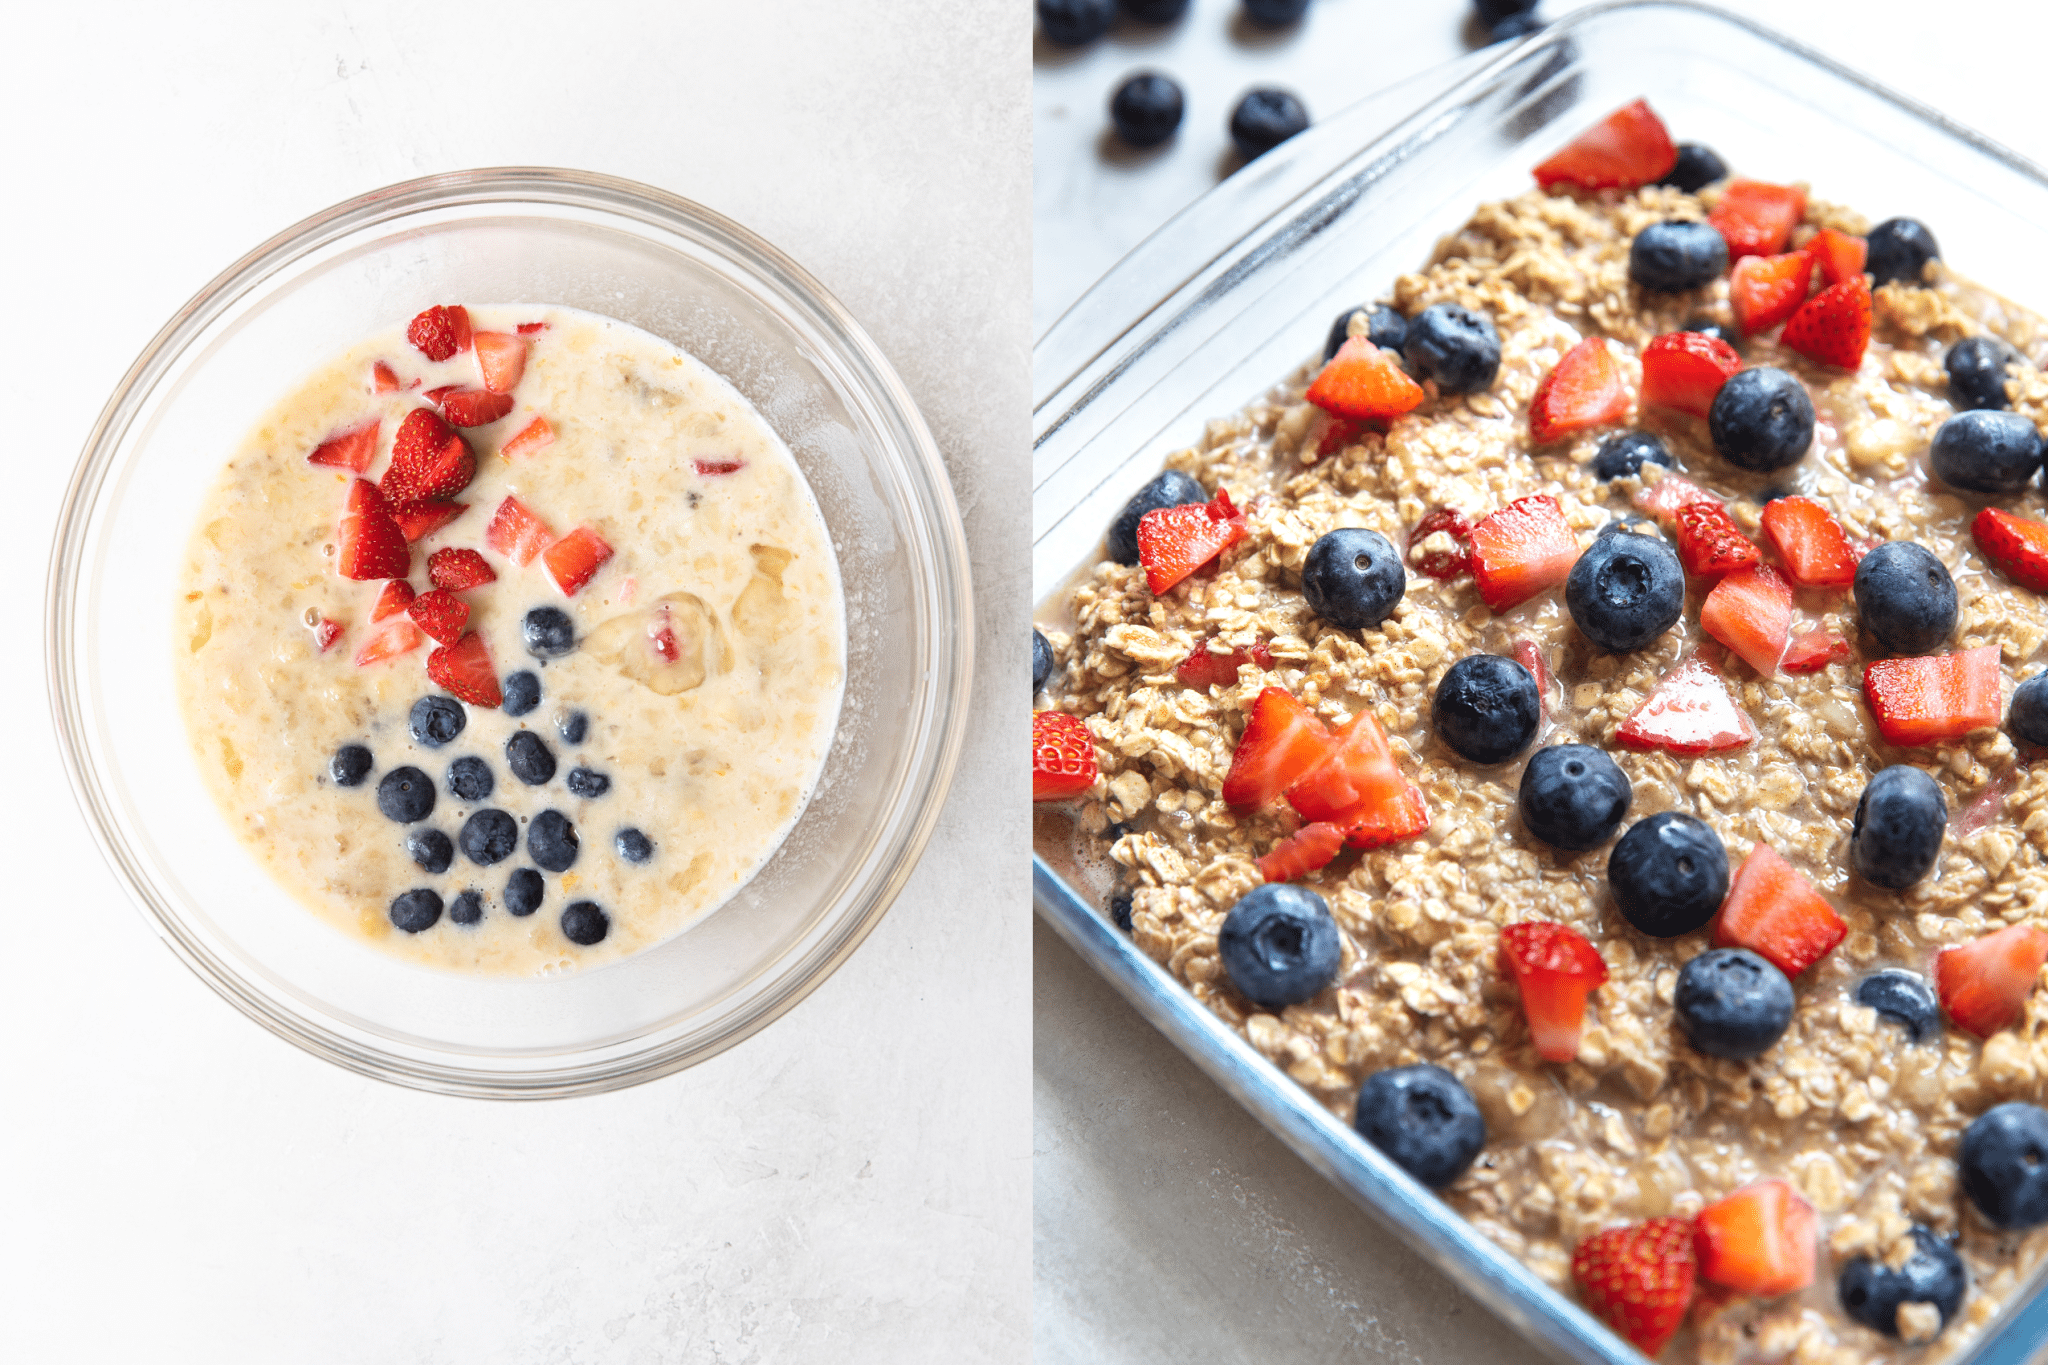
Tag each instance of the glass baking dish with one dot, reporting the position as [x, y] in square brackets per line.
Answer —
[1240, 288]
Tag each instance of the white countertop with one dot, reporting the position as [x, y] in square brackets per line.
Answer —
[850, 1185]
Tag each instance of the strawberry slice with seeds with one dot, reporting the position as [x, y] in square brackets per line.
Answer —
[1813, 651]
[1205, 668]
[1765, 290]
[1302, 852]
[1710, 544]
[575, 558]
[1810, 543]
[440, 614]
[464, 671]
[388, 640]
[1363, 382]
[453, 570]
[1839, 255]
[440, 331]
[1758, 1241]
[1833, 327]
[1689, 712]
[517, 533]
[1521, 550]
[1638, 1279]
[719, 466]
[1583, 390]
[1062, 756]
[1751, 613]
[1282, 740]
[475, 407]
[1173, 542]
[1444, 564]
[1773, 911]
[395, 598]
[383, 379]
[1663, 498]
[1757, 218]
[1629, 147]
[1930, 699]
[370, 544]
[1555, 968]
[1684, 370]
[418, 520]
[429, 461]
[501, 357]
[1983, 985]
[351, 450]
[2017, 545]
[533, 438]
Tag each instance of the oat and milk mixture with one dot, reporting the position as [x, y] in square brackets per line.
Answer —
[1864, 1125]
[604, 724]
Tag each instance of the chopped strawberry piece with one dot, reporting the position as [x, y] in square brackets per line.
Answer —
[1751, 613]
[1710, 544]
[429, 461]
[1521, 550]
[418, 520]
[527, 329]
[1205, 668]
[1813, 651]
[440, 614]
[435, 396]
[1062, 756]
[475, 407]
[463, 669]
[1663, 498]
[389, 640]
[1359, 786]
[1629, 147]
[1583, 390]
[370, 543]
[364, 499]
[533, 438]
[1809, 543]
[1984, 984]
[1765, 290]
[1757, 218]
[501, 357]
[2018, 545]
[395, 598]
[1555, 968]
[572, 560]
[351, 450]
[1931, 699]
[1173, 542]
[719, 466]
[383, 379]
[1530, 656]
[1684, 370]
[1839, 255]
[1833, 326]
[1638, 1279]
[1302, 852]
[517, 533]
[326, 633]
[1758, 1241]
[440, 331]
[1362, 381]
[1282, 740]
[1328, 434]
[1773, 911]
[1688, 712]
[453, 570]
[1445, 564]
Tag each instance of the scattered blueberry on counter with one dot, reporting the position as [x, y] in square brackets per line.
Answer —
[1626, 452]
[2027, 717]
[416, 911]
[1669, 874]
[633, 846]
[405, 795]
[1697, 167]
[1905, 597]
[1385, 328]
[1625, 591]
[1873, 1292]
[1458, 348]
[1041, 662]
[1573, 796]
[587, 782]
[1146, 109]
[1423, 1119]
[431, 849]
[1898, 827]
[1353, 578]
[524, 890]
[529, 758]
[522, 692]
[1677, 254]
[585, 924]
[1899, 249]
[436, 721]
[489, 837]
[1170, 489]
[469, 779]
[1486, 708]
[1977, 371]
[1904, 999]
[1732, 1003]
[1265, 118]
[350, 765]
[1986, 451]
[574, 727]
[2004, 1165]
[549, 633]
[1762, 419]
[1075, 23]
[1279, 945]
[551, 841]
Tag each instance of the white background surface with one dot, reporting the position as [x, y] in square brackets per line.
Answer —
[850, 1185]
[1169, 1226]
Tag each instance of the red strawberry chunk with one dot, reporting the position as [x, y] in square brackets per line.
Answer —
[2017, 545]
[1758, 1241]
[464, 670]
[1062, 756]
[440, 331]
[371, 545]
[1521, 550]
[326, 633]
[1710, 544]
[533, 438]
[1362, 381]
[1173, 542]
[454, 570]
[395, 598]
[435, 396]
[1931, 699]
[351, 450]
[517, 533]
[1757, 218]
[1638, 1279]
[575, 558]
[501, 357]
[1839, 255]
[719, 466]
[1833, 326]
[440, 614]
[1205, 668]
[383, 379]
[1663, 498]
[1282, 739]
[1530, 656]
[1765, 290]
[1629, 147]
[1555, 968]
[429, 461]
[1360, 787]
[1810, 543]
[527, 329]
[1813, 651]
[475, 407]
[1684, 370]
[1300, 853]
[1751, 613]
[1689, 712]
[418, 520]
[1327, 435]
[1984, 984]
[1445, 564]
[1584, 389]
[389, 640]
[1773, 911]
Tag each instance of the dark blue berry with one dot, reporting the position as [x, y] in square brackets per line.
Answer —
[1041, 662]
[1899, 249]
[2004, 1164]
[1625, 591]
[549, 633]
[1626, 452]
[1732, 1003]
[1274, 13]
[2027, 718]
[1265, 118]
[523, 892]
[1170, 489]
[1676, 255]
[633, 846]
[584, 923]
[405, 795]
[551, 841]
[529, 758]
[1901, 998]
[1669, 874]
[1707, 327]
[522, 692]
[1120, 910]
[1486, 708]
[1385, 328]
[1146, 109]
[1073, 23]
[1353, 578]
[350, 765]
[1514, 26]
[1493, 11]
[1761, 419]
[1423, 1120]
[489, 837]
[1905, 597]
[1986, 451]
[1899, 823]
[574, 727]
[1697, 167]
[467, 908]
[1977, 371]
[431, 849]
[416, 911]
[1873, 1292]
[1153, 11]
[1455, 346]
[1573, 796]
[587, 782]
[469, 779]
[1279, 945]
[437, 720]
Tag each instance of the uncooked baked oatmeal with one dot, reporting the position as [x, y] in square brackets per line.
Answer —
[1580, 731]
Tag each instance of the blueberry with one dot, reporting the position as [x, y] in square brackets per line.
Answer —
[1279, 945]
[1486, 708]
[1385, 328]
[523, 892]
[468, 908]
[574, 727]
[489, 837]
[416, 910]
[1985, 451]
[1732, 1003]
[633, 846]
[529, 758]
[405, 795]
[1977, 373]
[587, 782]
[2027, 718]
[1170, 489]
[2004, 1161]
[1146, 109]
[469, 779]
[1899, 822]
[1423, 1120]
[1873, 1292]
[1041, 662]
[1625, 591]
[350, 765]
[549, 633]
[1698, 166]
[1353, 578]
[584, 923]
[1514, 26]
[1901, 998]
[1455, 346]
[1265, 118]
[1626, 452]
[1761, 419]
[437, 720]
[1573, 796]
[522, 692]
[1073, 23]
[1707, 327]
[551, 841]
[1120, 910]
[1669, 874]
[1274, 13]
[1899, 249]
[1677, 254]
[1905, 597]
[431, 849]
[1153, 11]
[1493, 11]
